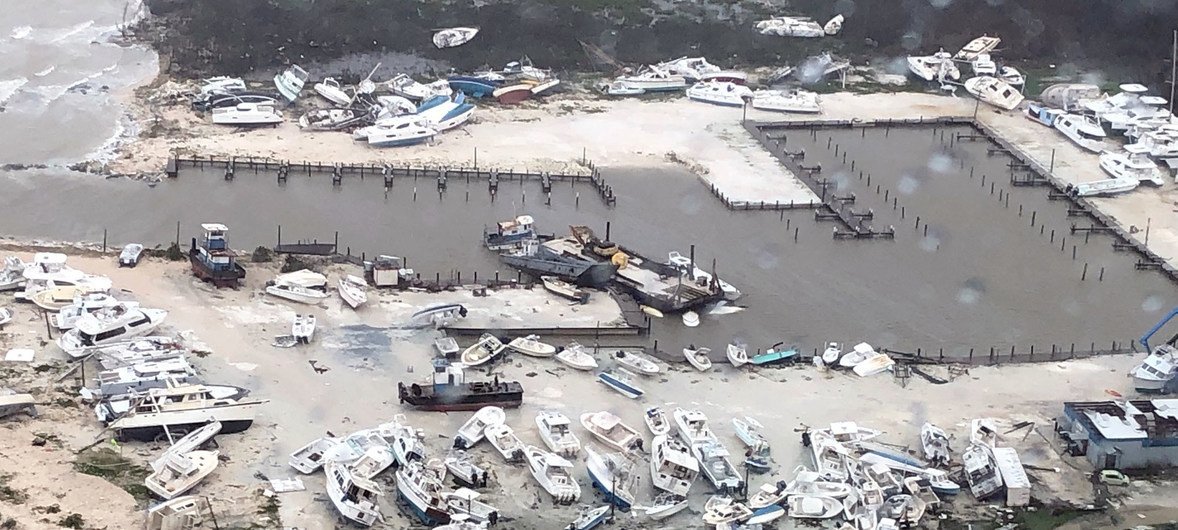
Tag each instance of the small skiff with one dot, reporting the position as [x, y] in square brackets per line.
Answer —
[591, 518]
[621, 380]
[738, 355]
[351, 289]
[831, 355]
[666, 505]
[504, 440]
[749, 432]
[309, 458]
[464, 471]
[296, 293]
[656, 421]
[181, 473]
[488, 347]
[643, 365]
[720, 510]
[857, 355]
[555, 430]
[610, 430]
[773, 355]
[303, 328]
[473, 431]
[813, 507]
[574, 356]
[129, 257]
[698, 357]
[531, 346]
[446, 346]
[766, 515]
[564, 289]
[691, 319]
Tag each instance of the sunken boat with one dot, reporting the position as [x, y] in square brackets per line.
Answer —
[450, 391]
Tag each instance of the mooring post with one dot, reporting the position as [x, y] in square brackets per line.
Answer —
[1033, 214]
[1084, 275]
[1052, 168]
[1101, 279]
[795, 234]
[1053, 236]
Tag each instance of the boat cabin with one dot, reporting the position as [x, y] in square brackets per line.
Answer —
[388, 271]
[212, 260]
[447, 374]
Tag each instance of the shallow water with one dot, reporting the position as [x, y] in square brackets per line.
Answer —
[981, 278]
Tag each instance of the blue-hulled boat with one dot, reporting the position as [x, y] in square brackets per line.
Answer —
[622, 381]
[475, 86]
[612, 475]
[775, 354]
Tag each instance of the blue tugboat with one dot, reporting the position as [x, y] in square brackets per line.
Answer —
[212, 260]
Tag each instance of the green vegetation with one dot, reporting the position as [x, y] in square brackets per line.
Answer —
[262, 255]
[108, 464]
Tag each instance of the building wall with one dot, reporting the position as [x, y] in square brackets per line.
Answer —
[1132, 454]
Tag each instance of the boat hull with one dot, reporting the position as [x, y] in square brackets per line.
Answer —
[510, 395]
[620, 386]
[472, 87]
[153, 433]
[581, 273]
[604, 485]
[219, 278]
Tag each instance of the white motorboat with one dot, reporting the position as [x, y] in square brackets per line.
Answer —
[564, 289]
[188, 443]
[984, 65]
[372, 463]
[829, 457]
[331, 90]
[720, 93]
[797, 101]
[874, 364]
[1131, 164]
[404, 86]
[614, 475]
[656, 421]
[981, 472]
[637, 362]
[849, 432]
[749, 432]
[296, 293]
[831, 354]
[938, 480]
[136, 350]
[554, 474]
[504, 440]
[935, 443]
[1157, 371]
[610, 430]
[129, 256]
[980, 45]
[451, 37]
[993, 91]
[790, 27]
[1012, 76]
[464, 471]
[180, 512]
[351, 290]
[109, 326]
[488, 347]
[531, 346]
[590, 518]
[68, 316]
[1070, 96]
[938, 66]
[328, 119]
[309, 458]
[699, 69]
[446, 347]
[665, 505]
[690, 319]
[303, 328]
[355, 498]
[57, 298]
[813, 507]
[715, 465]
[399, 134]
[653, 79]
[1158, 143]
[464, 503]
[183, 408]
[139, 377]
[984, 432]
[692, 426]
[672, 467]
[421, 492]
[556, 432]
[1083, 131]
[114, 406]
[834, 25]
[621, 381]
[738, 355]
[247, 114]
[473, 430]
[393, 106]
[574, 356]
[351, 448]
[699, 276]
[698, 357]
[621, 88]
[179, 473]
[303, 278]
[291, 81]
[722, 510]
[405, 442]
[1103, 187]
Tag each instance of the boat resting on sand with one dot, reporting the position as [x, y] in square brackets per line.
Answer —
[555, 430]
[698, 357]
[610, 430]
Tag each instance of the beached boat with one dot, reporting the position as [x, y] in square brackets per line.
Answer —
[247, 115]
[446, 347]
[564, 289]
[438, 316]
[510, 234]
[1131, 164]
[543, 87]
[351, 290]
[449, 390]
[531, 346]
[610, 430]
[620, 88]
[188, 443]
[328, 119]
[179, 473]
[296, 293]
[1102, 188]
[763, 516]
[56, 298]
[1157, 372]
[475, 87]
[129, 256]
[303, 328]
[504, 440]
[721, 510]
[177, 514]
[554, 474]
[813, 507]
[574, 356]
[935, 443]
[774, 355]
[5, 316]
[665, 505]
[590, 518]
[555, 430]
[652, 79]
[309, 458]
[512, 94]
[938, 66]
[1012, 76]
[138, 377]
[464, 471]
[622, 381]
[182, 408]
[984, 65]
[355, 498]
[451, 37]
[790, 27]
[212, 260]
[980, 45]
[291, 81]
[404, 86]
[737, 355]
[857, 355]
[698, 357]
[109, 326]
[331, 90]
[983, 431]
[614, 475]
[672, 467]
[111, 407]
[1083, 131]
[399, 134]
[464, 504]
[488, 347]
[993, 91]
[874, 364]
[372, 463]
[796, 101]
[831, 354]
[715, 465]
[981, 472]
[749, 432]
[422, 495]
[68, 316]
[656, 421]
[720, 93]
[637, 362]
[473, 430]
[406, 445]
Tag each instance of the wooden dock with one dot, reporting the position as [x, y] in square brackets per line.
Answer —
[442, 175]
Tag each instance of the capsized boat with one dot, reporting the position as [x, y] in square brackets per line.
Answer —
[554, 474]
[574, 355]
[737, 355]
[351, 290]
[303, 328]
[451, 37]
[790, 27]
[935, 443]
[622, 381]
[610, 430]
[994, 91]
[291, 81]
[698, 357]
[488, 347]
[638, 362]
[556, 433]
[531, 346]
[473, 430]
[512, 94]
[656, 421]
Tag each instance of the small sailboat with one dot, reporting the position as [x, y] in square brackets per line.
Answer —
[591, 518]
[643, 365]
[309, 458]
[621, 380]
[831, 354]
[473, 431]
[749, 432]
[666, 505]
[351, 290]
[610, 430]
[698, 357]
[303, 328]
[574, 356]
[554, 474]
[656, 421]
[555, 430]
[531, 346]
[488, 347]
[737, 355]
[451, 37]
[935, 443]
[564, 289]
[691, 319]
[504, 440]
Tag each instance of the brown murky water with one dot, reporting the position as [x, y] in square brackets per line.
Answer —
[982, 277]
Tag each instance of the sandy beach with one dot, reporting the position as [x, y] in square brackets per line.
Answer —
[365, 353]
